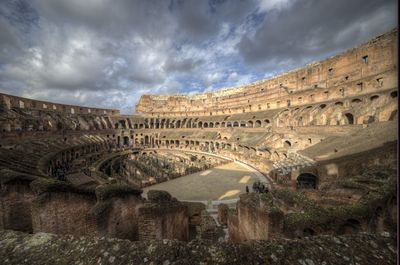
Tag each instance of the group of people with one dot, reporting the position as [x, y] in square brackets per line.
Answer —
[258, 187]
[59, 171]
[87, 171]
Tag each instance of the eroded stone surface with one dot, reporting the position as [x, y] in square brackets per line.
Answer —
[20, 248]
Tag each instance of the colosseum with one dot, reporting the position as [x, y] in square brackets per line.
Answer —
[297, 169]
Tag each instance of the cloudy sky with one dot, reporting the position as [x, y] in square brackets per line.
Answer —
[106, 53]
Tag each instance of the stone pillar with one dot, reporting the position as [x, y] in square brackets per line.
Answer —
[223, 213]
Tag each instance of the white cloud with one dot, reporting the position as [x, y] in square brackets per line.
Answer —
[268, 5]
[108, 53]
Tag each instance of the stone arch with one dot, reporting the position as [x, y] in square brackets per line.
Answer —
[339, 103]
[235, 124]
[393, 94]
[393, 115]
[205, 125]
[349, 118]
[275, 156]
[374, 97]
[200, 124]
[322, 106]
[307, 180]
[257, 124]
[379, 219]
[350, 226]
[126, 140]
[308, 232]
[287, 144]
[250, 124]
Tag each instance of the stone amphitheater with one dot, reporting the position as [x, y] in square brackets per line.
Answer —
[167, 185]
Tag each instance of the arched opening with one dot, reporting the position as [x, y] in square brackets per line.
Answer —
[373, 98]
[250, 124]
[393, 115]
[351, 226]
[205, 125]
[369, 119]
[349, 118]
[356, 100]
[267, 121]
[322, 106]
[200, 124]
[257, 123]
[236, 124]
[379, 219]
[287, 144]
[307, 180]
[339, 103]
[308, 232]
[59, 126]
[126, 140]
[393, 94]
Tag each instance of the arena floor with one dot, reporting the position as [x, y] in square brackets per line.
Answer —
[220, 183]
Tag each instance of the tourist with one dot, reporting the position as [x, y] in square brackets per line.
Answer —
[262, 188]
[255, 187]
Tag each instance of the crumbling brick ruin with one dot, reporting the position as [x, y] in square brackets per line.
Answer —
[322, 138]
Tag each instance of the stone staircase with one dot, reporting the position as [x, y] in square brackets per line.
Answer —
[292, 162]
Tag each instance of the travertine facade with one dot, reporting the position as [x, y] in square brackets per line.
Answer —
[368, 68]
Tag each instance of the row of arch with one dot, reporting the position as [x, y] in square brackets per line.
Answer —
[188, 123]
[214, 147]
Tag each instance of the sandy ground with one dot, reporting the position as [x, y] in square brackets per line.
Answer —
[219, 183]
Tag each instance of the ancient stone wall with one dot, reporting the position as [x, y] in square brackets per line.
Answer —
[15, 201]
[347, 166]
[9, 102]
[116, 211]
[163, 217]
[59, 211]
[366, 68]
[111, 210]
[257, 218]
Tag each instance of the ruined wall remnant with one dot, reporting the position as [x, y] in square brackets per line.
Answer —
[223, 210]
[60, 208]
[116, 211]
[110, 210]
[257, 218]
[163, 217]
[15, 201]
